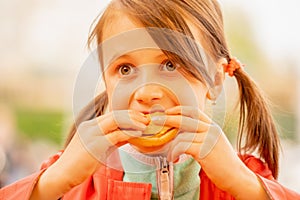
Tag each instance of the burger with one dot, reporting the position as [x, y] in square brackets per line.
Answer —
[154, 137]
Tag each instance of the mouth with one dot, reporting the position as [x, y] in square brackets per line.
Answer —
[155, 109]
[152, 111]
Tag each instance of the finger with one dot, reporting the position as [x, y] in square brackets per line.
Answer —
[192, 149]
[198, 150]
[189, 111]
[100, 146]
[130, 119]
[138, 116]
[190, 137]
[198, 145]
[210, 140]
[183, 123]
[184, 140]
[120, 136]
[122, 119]
[97, 146]
[132, 134]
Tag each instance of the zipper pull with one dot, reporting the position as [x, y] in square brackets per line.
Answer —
[165, 179]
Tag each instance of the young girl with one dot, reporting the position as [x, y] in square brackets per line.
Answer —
[165, 57]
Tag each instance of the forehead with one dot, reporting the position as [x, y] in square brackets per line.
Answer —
[123, 34]
[118, 22]
[124, 43]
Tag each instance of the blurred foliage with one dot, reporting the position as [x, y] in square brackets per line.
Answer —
[40, 123]
[243, 43]
[286, 125]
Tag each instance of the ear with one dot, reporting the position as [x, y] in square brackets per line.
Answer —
[215, 91]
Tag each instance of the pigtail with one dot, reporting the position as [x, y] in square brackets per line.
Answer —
[94, 109]
[256, 123]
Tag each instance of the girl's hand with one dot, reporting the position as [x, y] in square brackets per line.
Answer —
[206, 142]
[93, 142]
[193, 126]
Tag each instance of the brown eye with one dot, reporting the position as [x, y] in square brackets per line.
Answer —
[169, 66]
[125, 69]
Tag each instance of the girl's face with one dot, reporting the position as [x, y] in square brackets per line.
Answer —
[141, 78]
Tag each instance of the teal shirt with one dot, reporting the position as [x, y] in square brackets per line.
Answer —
[141, 168]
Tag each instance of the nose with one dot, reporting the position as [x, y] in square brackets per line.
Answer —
[149, 94]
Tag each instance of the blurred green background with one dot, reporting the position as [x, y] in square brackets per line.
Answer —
[40, 123]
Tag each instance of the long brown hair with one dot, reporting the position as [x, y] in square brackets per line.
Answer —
[257, 132]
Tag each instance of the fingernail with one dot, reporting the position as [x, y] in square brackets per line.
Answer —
[137, 133]
[134, 133]
[142, 126]
[158, 120]
[167, 111]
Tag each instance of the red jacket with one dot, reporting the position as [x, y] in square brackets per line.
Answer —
[107, 183]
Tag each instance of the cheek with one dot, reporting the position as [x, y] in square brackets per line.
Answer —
[119, 94]
[201, 93]
[110, 89]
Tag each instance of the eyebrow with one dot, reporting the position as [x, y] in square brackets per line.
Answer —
[128, 56]
[116, 56]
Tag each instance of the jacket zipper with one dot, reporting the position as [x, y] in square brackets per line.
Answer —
[164, 175]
